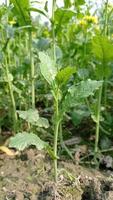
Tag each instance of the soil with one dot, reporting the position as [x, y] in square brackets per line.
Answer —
[29, 176]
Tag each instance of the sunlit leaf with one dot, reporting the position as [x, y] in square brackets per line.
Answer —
[63, 15]
[47, 67]
[23, 140]
[42, 122]
[30, 115]
[102, 48]
[64, 75]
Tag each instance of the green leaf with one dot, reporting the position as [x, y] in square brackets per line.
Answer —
[30, 115]
[23, 140]
[42, 122]
[64, 75]
[77, 93]
[67, 3]
[79, 2]
[102, 48]
[42, 12]
[84, 89]
[78, 114]
[43, 44]
[103, 71]
[21, 11]
[47, 67]
[62, 16]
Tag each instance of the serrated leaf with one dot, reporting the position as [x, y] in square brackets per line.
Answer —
[23, 140]
[30, 115]
[84, 89]
[77, 93]
[42, 122]
[102, 48]
[64, 75]
[47, 67]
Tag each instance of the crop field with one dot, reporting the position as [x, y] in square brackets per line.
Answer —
[56, 100]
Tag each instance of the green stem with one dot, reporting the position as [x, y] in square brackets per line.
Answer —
[106, 33]
[53, 29]
[56, 131]
[32, 70]
[98, 121]
[105, 92]
[106, 19]
[11, 95]
[56, 102]
[100, 90]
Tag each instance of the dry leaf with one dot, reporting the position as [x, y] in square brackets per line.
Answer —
[8, 151]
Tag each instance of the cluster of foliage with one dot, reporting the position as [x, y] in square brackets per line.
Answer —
[55, 69]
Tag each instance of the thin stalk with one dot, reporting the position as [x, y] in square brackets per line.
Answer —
[100, 91]
[53, 29]
[106, 33]
[56, 99]
[32, 70]
[106, 19]
[11, 94]
[98, 121]
[105, 92]
[56, 131]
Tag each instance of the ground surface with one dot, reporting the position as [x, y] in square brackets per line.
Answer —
[29, 176]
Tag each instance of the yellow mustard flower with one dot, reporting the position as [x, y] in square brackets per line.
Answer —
[91, 19]
[12, 22]
[82, 23]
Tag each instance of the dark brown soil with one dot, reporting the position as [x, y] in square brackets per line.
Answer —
[29, 176]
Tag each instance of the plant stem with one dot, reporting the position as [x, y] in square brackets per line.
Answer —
[56, 131]
[53, 30]
[56, 99]
[105, 33]
[106, 18]
[100, 91]
[11, 95]
[98, 121]
[32, 71]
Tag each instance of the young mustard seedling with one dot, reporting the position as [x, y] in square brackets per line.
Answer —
[64, 98]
